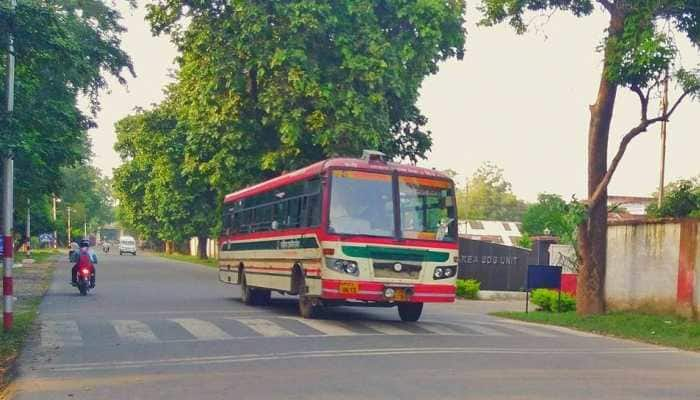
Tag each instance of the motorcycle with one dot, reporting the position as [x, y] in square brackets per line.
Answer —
[105, 248]
[84, 281]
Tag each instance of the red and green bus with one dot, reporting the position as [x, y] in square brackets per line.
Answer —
[344, 231]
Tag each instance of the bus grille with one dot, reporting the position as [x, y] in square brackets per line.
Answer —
[386, 270]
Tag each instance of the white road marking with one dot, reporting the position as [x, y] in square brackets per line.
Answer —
[348, 353]
[134, 331]
[485, 330]
[60, 334]
[202, 330]
[330, 328]
[264, 327]
[440, 329]
[386, 328]
[528, 331]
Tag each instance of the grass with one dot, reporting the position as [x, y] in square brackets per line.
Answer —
[666, 330]
[209, 262]
[38, 255]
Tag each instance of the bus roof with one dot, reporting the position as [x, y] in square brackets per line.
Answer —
[333, 163]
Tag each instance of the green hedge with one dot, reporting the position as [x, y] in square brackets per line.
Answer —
[548, 300]
[468, 288]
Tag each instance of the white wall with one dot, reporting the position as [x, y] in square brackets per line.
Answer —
[642, 266]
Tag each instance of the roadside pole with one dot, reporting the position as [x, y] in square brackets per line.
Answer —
[29, 231]
[55, 232]
[8, 172]
[69, 226]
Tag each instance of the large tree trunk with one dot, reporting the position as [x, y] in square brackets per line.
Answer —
[202, 247]
[168, 247]
[590, 291]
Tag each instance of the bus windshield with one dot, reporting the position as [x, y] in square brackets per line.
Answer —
[427, 209]
[362, 204]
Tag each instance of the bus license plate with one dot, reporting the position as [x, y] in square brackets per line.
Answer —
[400, 295]
[349, 288]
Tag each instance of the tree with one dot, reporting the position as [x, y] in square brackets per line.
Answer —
[267, 87]
[63, 50]
[488, 196]
[548, 213]
[681, 199]
[158, 198]
[638, 55]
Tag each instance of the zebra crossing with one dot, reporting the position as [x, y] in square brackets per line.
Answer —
[67, 333]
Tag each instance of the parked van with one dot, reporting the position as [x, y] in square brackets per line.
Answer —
[127, 244]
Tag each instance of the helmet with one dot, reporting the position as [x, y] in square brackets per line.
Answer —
[84, 243]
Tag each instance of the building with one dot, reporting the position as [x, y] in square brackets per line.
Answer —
[634, 205]
[501, 232]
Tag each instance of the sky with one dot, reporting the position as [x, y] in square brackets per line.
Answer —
[519, 101]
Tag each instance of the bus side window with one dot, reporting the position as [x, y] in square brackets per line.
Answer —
[314, 210]
[294, 220]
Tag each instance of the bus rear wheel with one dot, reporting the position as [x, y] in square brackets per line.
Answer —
[410, 312]
[253, 296]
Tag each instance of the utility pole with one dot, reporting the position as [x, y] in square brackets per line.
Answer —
[8, 169]
[85, 236]
[664, 110]
[55, 233]
[28, 230]
[69, 226]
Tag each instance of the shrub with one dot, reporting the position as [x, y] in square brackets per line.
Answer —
[468, 288]
[548, 300]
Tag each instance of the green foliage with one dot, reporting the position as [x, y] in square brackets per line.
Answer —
[489, 196]
[267, 87]
[553, 213]
[525, 241]
[468, 288]
[681, 199]
[63, 50]
[548, 300]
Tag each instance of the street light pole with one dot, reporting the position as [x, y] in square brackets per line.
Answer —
[8, 197]
[69, 226]
[28, 230]
[55, 233]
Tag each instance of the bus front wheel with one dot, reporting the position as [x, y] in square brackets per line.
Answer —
[410, 312]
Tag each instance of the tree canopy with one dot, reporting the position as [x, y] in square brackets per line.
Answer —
[267, 87]
[63, 51]
[681, 199]
[488, 195]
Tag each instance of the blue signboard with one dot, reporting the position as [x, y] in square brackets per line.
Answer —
[543, 277]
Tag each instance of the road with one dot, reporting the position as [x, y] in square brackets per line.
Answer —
[156, 328]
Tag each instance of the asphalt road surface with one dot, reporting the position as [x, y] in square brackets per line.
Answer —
[160, 329]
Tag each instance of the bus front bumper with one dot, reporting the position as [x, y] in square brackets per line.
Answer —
[387, 292]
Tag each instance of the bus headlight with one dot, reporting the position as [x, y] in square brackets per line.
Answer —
[438, 273]
[445, 272]
[343, 266]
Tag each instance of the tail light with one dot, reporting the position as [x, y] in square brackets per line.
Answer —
[85, 271]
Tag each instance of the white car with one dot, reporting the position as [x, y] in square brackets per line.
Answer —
[127, 244]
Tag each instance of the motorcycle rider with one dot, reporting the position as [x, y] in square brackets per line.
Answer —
[91, 258]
